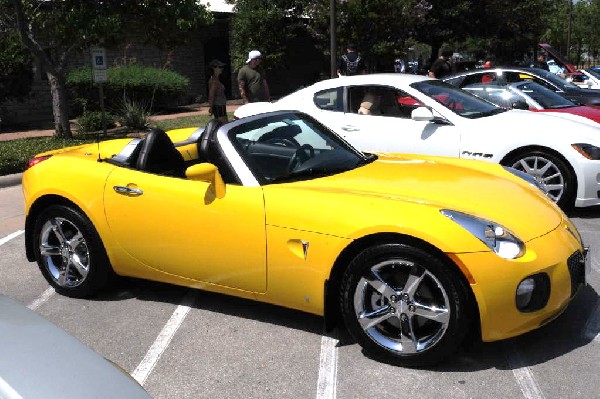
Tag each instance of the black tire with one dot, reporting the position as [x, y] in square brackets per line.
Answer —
[552, 173]
[69, 252]
[404, 288]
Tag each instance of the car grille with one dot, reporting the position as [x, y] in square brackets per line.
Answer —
[576, 265]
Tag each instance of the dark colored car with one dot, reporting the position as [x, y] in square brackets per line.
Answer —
[503, 76]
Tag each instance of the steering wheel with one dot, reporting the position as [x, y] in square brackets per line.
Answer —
[284, 141]
[302, 154]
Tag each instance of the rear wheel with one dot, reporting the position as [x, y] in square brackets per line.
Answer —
[551, 172]
[69, 252]
[403, 303]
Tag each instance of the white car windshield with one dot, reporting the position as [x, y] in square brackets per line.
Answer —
[459, 101]
[289, 146]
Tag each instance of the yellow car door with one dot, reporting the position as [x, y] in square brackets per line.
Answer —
[178, 226]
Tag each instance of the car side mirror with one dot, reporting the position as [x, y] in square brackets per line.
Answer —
[209, 173]
[520, 104]
[422, 114]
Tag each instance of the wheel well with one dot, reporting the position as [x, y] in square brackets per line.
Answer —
[36, 208]
[332, 285]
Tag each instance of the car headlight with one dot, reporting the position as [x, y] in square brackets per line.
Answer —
[587, 150]
[499, 239]
[527, 177]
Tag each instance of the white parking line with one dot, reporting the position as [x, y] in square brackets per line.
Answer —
[326, 385]
[42, 299]
[143, 370]
[525, 378]
[11, 236]
[591, 330]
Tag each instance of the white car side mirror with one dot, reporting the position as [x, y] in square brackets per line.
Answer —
[422, 114]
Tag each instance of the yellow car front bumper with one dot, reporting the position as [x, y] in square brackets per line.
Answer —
[494, 282]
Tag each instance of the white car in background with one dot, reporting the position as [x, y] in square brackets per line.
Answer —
[589, 78]
[415, 114]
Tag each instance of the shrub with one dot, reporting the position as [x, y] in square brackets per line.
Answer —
[157, 87]
[135, 115]
[91, 121]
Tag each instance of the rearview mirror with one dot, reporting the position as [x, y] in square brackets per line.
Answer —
[209, 173]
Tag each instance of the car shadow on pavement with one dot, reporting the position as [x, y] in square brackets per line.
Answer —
[591, 212]
[144, 290]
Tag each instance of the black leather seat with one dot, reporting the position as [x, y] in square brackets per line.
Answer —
[159, 155]
[206, 145]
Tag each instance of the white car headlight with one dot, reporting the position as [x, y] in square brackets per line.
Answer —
[499, 239]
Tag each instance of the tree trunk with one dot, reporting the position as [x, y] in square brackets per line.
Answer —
[60, 105]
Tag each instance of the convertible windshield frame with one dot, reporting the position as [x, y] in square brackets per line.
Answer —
[459, 101]
[286, 146]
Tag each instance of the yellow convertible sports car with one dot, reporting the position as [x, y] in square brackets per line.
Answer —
[411, 252]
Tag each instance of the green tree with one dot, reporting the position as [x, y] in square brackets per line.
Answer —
[53, 31]
[15, 66]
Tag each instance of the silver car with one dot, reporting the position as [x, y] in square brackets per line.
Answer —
[39, 360]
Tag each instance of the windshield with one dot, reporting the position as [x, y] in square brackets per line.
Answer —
[595, 72]
[560, 82]
[293, 146]
[543, 96]
[457, 100]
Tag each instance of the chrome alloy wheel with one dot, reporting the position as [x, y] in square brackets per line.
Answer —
[402, 306]
[64, 252]
[545, 172]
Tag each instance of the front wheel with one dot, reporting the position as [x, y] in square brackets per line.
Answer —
[403, 303]
[69, 252]
[551, 172]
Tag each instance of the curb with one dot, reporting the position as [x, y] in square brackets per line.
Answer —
[10, 180]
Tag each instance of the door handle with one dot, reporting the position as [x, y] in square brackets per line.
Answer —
[129, 191]
[349, 128]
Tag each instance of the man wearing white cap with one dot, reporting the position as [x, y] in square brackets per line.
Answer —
[252, 79]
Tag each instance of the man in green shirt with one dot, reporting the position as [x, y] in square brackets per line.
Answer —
[252, 80]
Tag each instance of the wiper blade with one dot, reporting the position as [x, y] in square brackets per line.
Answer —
[492, 112]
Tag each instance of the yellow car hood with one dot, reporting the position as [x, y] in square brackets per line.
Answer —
[401, 190]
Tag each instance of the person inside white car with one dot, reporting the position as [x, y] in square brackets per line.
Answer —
[369, 104]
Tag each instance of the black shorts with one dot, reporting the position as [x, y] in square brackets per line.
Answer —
[219, 111]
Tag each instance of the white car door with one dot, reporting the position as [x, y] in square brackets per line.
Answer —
[384, 122]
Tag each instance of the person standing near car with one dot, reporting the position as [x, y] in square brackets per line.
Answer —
[216, 92]
[351, 63]
[441, 67]
[252, 80]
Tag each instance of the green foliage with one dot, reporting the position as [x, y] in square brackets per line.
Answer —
[152, 86]
[185, 121]
[15, 154]
[15, 66]
[134, 115]
[91, 121]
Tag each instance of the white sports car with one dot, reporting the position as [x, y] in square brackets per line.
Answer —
[416, 114]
